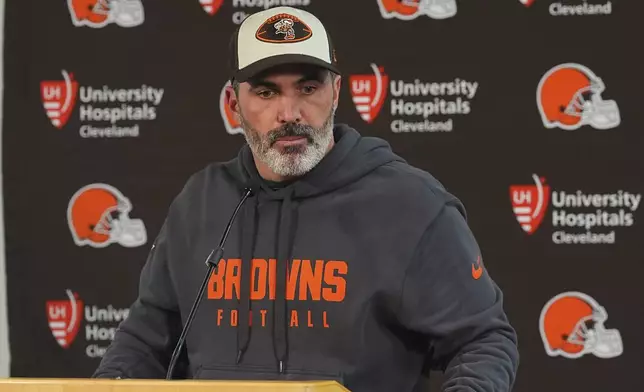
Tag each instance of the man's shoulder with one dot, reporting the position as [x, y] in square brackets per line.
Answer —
[416, 195]
[200, 182]
[208, 173]
[415, 182]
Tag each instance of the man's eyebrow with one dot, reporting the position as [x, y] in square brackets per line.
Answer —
[314, 76]
[262, 83]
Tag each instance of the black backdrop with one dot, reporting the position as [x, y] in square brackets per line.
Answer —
[65, 299]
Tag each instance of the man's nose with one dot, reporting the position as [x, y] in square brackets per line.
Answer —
[289, 110]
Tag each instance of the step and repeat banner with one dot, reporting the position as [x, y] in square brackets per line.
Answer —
[530, 111]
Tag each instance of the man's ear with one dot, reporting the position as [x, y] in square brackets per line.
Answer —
[337, 82]
[232, 101]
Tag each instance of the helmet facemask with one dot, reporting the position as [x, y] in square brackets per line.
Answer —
[591, 333]
[588, 104]
[117, 224]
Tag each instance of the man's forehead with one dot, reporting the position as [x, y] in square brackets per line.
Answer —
[294, 71]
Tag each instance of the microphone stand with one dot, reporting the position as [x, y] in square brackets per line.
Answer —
[211, 261]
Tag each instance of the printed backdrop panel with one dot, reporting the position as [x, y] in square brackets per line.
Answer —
[527, 110]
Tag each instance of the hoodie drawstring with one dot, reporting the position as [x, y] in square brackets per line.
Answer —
[284, 248]
[248, 237]
[283, 244]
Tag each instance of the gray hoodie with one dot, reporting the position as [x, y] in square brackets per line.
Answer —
[364, 271]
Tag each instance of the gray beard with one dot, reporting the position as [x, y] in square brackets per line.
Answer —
[293, 161]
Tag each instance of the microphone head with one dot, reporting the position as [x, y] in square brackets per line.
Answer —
[250, 191]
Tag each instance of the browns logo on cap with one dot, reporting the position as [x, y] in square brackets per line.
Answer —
[256, 44]
[283, 28]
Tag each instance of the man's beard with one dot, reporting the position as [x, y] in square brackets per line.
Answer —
[290, 161]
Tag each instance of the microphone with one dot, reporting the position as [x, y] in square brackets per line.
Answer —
[211, 261]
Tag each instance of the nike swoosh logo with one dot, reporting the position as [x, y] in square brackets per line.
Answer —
[477, 272]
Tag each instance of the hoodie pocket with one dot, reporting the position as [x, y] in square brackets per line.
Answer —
[259, 373]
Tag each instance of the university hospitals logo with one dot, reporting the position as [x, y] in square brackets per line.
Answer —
[65, 317]
[212, 7]
[572, 325]
[577, 217]
[412, 9]
[98, 215]
[369, 92]
[100, 13]
[416, 106]
[569, 97]
[574, 7]
[529, 203]
[317, 286]
[59, 98]
[233, 127]
[102, 109]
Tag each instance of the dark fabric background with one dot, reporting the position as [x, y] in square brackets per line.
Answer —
[504, 46]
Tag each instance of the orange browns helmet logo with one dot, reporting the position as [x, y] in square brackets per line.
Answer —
[411, 9]
[369, 92]
[231, 124]
[569, 97]
[99, 13]
[527, 3]
[58, 98]
[529, 203]
[211, 6]
[98, 215]
[64, 317]
[572, 325]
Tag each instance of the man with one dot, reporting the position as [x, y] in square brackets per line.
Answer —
[345, 263]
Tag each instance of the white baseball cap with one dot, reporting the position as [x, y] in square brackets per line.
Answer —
[280, 35]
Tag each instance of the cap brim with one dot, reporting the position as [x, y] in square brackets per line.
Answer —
[262, 65]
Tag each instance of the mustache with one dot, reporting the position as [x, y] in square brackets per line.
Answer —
[291, 129]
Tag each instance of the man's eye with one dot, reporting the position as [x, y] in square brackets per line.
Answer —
[265, 93]
[308, 89]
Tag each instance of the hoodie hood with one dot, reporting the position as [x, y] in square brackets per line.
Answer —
[351, 158]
